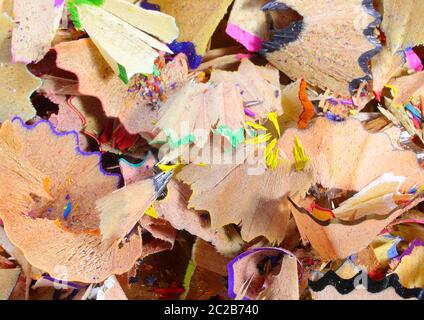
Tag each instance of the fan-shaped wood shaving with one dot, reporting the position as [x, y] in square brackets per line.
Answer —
[316, 48]
[97, 79]
[402, 24]
[35, 27]
[255, 201]
[8, 280]
[343, 156]
[16, 83]
[261, 84]
[72, 244]
[197, 20]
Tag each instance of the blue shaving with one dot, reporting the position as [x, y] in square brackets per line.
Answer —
[331, 116]
[413, 190]
[274, 260]
[392, 252]
[68, 209]
[134, 279]
[150, 280]
[416, 113]
[189, 50]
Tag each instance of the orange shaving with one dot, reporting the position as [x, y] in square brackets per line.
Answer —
[308, 107]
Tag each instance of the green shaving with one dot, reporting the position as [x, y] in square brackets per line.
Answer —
[72, 6]
[187, 279]
[123, 73]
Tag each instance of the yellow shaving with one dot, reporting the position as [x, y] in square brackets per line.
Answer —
[271, 152]
[58, 223]
[394, 93]
[273, 118]
[270, 147]
[272, 159]
[177, 167]
[152, 212]
[256, 126]
[260, 139]
[300, 159]
[168, 167]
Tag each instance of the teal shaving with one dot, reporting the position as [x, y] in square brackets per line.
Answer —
[187, 279]
[181, 142]
[253, 133]
[72, 6]
[235, 138]
[123, 73]
[175, 143]
[156, 71]
[136, 165]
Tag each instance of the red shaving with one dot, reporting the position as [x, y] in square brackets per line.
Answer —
[118, 137]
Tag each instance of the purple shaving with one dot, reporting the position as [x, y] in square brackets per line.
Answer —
[77, 141]
[70, 284]
[56, 294]
[333, 101]
[149, 6]
[412, 246]
[347, 102]
[249, 113]
[188, 48]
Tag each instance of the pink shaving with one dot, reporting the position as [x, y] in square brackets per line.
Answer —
[414, 62]
[240, 56]
[58, 3]
[248, 40]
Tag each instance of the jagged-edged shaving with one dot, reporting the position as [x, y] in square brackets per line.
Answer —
[332, 287]
[16, 83]
[8, 280]
[55, 223]
[330, 47]
[97, 79]
[34, 29]
[342, 157]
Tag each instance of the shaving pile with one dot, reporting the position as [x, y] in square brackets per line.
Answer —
[211, 149]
